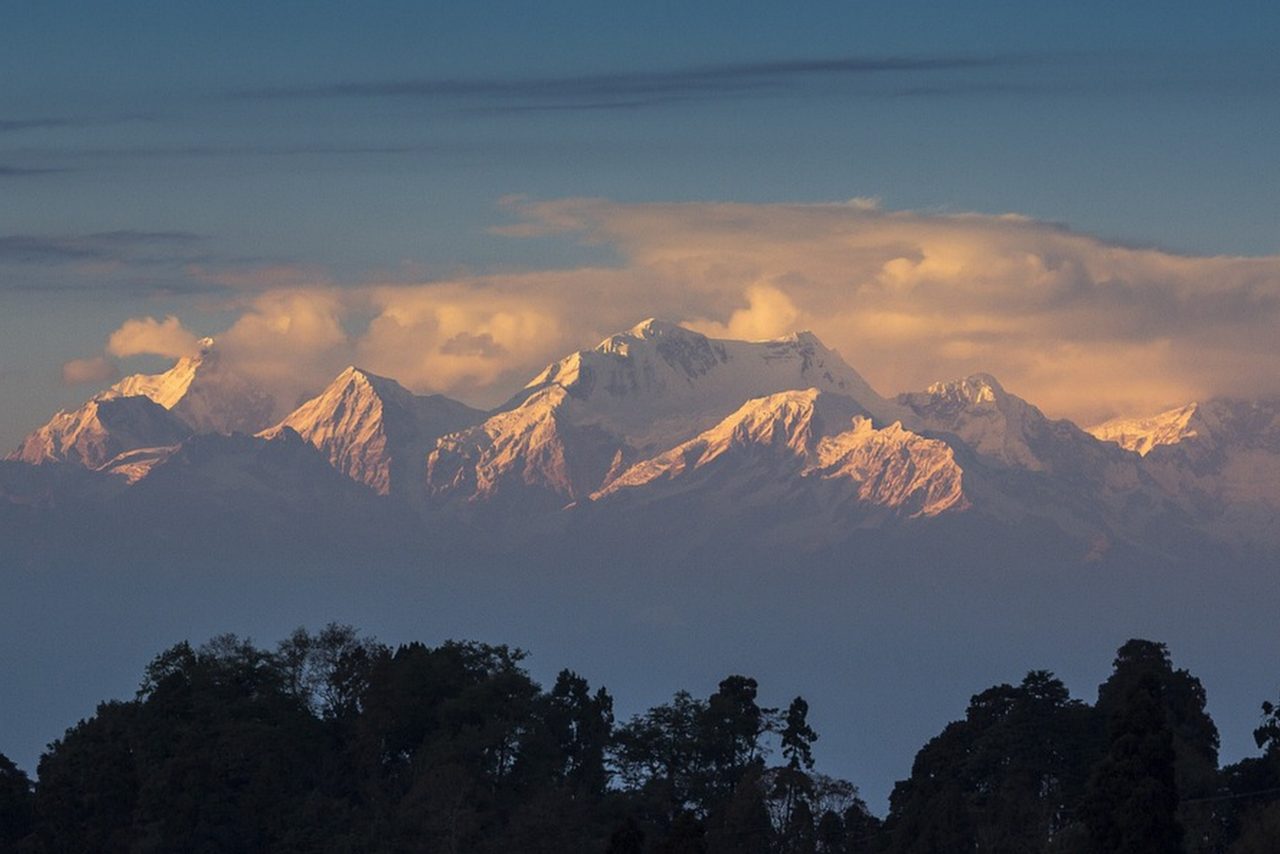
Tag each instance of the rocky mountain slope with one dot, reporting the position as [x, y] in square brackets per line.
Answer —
[586, 418]
[1220, 458]
[661, 426]
[798, 462]
[205, 392]
[376, 431]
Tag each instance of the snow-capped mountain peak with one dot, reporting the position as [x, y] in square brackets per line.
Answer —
[1145, 434]
[99, 430]
[657, 367]
[166, 388]
[1000, 426]
[724, 435]
[804, 448]
[584, 418]
[792, 420]
[375, 430]
[206, 392]
[1220, 458]
[653, 327]
[972, 391]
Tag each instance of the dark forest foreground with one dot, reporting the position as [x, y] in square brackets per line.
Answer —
[333, 742]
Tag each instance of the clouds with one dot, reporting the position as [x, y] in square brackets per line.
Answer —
[638, 88]
[139, 336]
[149, 336]
[139, 262]
[95, 369]
[1083, 326]
[128, 261]
[937, 76]
[15, 125]
[99, 246]
[291, 340]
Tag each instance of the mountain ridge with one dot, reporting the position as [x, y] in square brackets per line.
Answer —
[778, 434]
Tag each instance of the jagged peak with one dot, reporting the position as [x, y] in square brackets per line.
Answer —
[357, 372]
[641, 378]
[974, 389]
[1144, 434]
[799, 416]
[807, 400]
[653, 327]
[353, 386]
[801, 396]
[98, 429]
[803, 338]
[1176, 413]
[353, 374]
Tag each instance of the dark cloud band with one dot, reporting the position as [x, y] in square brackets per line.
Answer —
[636, 88]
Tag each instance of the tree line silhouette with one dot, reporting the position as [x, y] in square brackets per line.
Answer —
[334, 742]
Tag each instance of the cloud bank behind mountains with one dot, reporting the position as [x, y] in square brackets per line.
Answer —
[1082, 326]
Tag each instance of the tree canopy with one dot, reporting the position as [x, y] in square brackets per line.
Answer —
[335, 742]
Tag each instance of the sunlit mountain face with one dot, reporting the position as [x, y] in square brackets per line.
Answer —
[769, 441]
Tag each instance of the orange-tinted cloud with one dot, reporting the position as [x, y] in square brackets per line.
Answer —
[1083, 326]
[146, 335]
[94, 369]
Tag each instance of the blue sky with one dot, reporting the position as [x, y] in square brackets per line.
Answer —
[147, 148]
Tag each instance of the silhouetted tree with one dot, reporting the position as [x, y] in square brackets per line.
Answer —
[327, 671]
[742, 825]
[1004, 779]
[1131, 803]
[627, 838]
[792, 787]
[1251, 814]
[582, 725]
[863, 832]
[731, 728]
[89, 783]
[334, 742]
[660, 753]
[1195, 738]
[17, 803]
[798, 737]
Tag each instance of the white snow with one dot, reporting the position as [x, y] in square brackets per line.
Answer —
[1143, 434]
[635, 394]
[662, 413]
[828, 438]
[205, 392]
[375, 430]
[99, 430]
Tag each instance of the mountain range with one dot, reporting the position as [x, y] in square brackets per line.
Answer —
[660, 431]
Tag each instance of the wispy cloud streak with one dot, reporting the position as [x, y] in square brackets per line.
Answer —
[99, 246]
[955, 76]
[48, 122]
[7, 171]
[636, 88]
